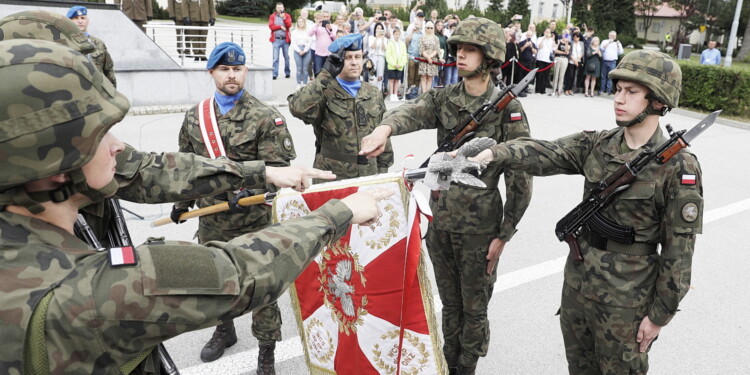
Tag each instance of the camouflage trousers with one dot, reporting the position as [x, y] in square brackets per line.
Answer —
[601, 339]
[266, 326]
[460, 264]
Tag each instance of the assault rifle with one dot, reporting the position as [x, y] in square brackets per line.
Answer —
[586, 217]
[465, 130]
[118, 235]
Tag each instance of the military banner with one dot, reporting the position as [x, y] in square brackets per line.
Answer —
[364, 306]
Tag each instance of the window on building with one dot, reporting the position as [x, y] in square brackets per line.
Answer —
[657, 26]
[641, 26]
[541, 8]
[554, 11]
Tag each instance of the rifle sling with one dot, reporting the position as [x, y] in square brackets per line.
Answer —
[602, 243]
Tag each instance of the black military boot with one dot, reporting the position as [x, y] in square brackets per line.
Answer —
[224, 337]
[463, 370]
[265, 359]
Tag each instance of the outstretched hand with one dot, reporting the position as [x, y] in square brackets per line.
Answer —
[374, 143]
[297, 178]
[364, 205]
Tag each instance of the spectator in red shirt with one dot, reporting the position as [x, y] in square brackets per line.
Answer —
[280, 22]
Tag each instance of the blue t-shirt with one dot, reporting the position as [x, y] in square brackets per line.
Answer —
[351, 87]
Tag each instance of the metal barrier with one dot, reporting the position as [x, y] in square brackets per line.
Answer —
[194, 43]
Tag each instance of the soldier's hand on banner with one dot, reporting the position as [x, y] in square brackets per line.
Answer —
[234, 205]
[364, 205]
[485, 156]
[175, 214]
[297, 178]
[374, 143]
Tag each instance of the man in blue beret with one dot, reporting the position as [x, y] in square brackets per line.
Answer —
[100, 57]
[342, 109]
[236, 125]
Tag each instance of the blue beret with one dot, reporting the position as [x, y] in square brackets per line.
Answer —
[351, 42]
[226, 53]
[77, 11]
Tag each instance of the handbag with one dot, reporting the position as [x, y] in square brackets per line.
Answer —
[591, 66]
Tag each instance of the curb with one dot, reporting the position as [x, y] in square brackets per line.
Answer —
[720, 121]
[182, 108]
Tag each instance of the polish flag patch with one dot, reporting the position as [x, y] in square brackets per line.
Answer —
[516, 116]
[122, 256]
[278, 121]
[688, 179]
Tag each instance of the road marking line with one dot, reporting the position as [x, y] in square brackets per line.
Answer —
[290, 348]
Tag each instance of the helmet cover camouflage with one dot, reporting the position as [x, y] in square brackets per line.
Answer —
[44, 25]
[484, 33]
[55, 107]
[653, 69]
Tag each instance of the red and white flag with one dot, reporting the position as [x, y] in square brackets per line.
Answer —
[688, 179]
[364, 306]
[122, 256]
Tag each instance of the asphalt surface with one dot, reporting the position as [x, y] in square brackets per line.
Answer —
[710, 335]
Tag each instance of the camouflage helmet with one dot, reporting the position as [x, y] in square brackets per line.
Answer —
[655, 70]
[55, 107]
[44, 25]
[484, 33]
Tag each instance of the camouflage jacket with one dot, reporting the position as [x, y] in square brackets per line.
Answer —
[465, 209]
[102, 60]
[100, 316]
[661, 207]
[145, 177]
[340, 122]
[250, 131]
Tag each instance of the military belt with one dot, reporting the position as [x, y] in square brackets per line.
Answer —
[602, 243]
[342, 157]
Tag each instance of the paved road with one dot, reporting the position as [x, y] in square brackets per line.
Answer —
[709, 336]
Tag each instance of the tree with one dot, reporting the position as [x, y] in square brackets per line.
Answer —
[520, 7]
[688, 22]
[617, 15]
[646, 9]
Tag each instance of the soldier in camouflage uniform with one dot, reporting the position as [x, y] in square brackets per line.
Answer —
[66, 308]
[149, 177]
[249, 130]
[615, 302]
[100, 57]
[342, 110]
[471, 225]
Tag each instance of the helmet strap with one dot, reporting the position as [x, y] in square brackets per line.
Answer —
[483, 68]
[77, 184]
[649, 110]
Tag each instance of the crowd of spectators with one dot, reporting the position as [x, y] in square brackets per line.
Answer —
[569, 59]
[417, 55]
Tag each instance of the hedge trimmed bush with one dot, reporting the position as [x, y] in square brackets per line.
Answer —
[708, 88]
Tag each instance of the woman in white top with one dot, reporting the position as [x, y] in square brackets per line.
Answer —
[377, 44]
[546, 47]
[302, 43]
[575, 62]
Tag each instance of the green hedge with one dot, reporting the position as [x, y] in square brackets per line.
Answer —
[709, 88]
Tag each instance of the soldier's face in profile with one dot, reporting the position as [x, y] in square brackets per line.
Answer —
[101, 169]
[82, 22]
[630, 100]
[352, 66]
[468, 56]
[229, 79]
